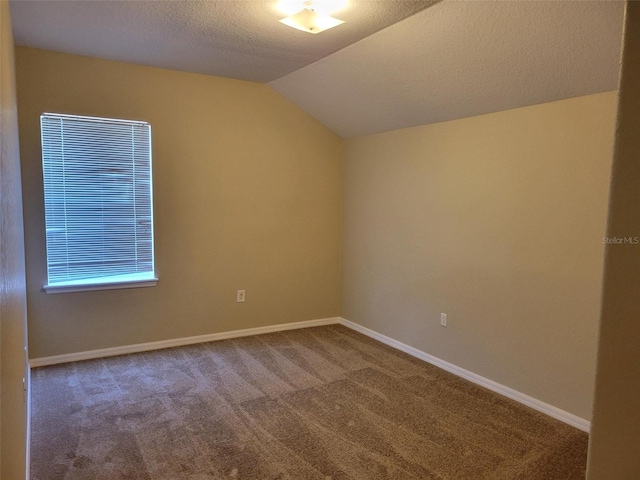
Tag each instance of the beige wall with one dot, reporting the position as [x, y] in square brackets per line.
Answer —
[496, 220]
[247, 195]
[614, 451]
[13, 422]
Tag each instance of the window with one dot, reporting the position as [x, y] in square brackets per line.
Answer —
[98, 203]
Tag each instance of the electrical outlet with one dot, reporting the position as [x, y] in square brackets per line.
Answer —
[240, 296]
[443, 319]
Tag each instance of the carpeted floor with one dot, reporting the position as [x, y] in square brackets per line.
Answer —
[318, 403]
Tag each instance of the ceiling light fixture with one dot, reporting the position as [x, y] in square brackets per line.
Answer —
[311, 16]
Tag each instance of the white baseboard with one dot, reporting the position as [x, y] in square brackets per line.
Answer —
[177, 342]
[558, 414]
[534, 403]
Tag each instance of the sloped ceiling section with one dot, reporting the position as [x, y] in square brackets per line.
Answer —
[239, 39]
[458, 59]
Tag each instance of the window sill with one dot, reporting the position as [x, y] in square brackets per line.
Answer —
[88, 287]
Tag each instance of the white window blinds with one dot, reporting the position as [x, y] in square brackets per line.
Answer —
[98, 199]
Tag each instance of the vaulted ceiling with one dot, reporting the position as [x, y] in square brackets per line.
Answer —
[239, 39]
[463, 58]
[393, 64]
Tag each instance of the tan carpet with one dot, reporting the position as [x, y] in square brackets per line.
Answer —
[319, 403]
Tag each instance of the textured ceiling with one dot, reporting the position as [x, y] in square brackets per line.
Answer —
[231, 38]
[452, 60]
[460, 59]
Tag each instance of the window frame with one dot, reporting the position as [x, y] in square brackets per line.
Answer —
[112, 282]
